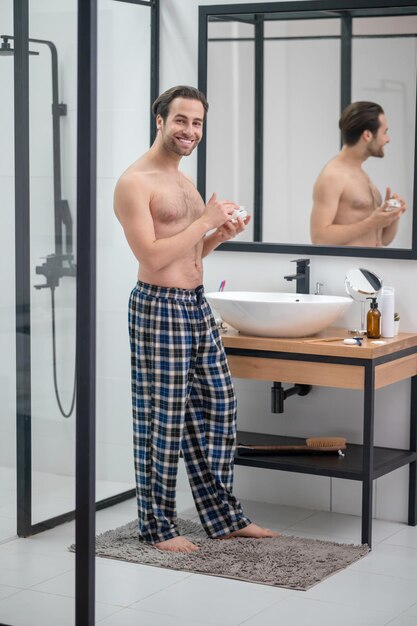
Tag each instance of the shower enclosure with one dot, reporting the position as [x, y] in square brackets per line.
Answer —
[60, 263]
[38, 178]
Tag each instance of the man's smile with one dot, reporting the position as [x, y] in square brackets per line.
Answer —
[185, 140]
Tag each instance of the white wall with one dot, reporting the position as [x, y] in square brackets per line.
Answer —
[325, 411]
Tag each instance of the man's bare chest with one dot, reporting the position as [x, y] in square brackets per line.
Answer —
[176, 203]
[360, 194]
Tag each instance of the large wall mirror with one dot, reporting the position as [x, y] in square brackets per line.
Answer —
[277, 76]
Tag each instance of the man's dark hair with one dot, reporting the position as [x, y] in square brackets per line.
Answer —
[163, 102]
[357, 117]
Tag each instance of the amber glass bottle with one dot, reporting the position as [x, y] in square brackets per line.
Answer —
[373, 321]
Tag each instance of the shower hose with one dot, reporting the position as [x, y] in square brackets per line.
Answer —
[64, 414]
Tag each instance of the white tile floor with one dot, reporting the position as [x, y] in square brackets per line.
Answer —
[52, 494]
[37, 580]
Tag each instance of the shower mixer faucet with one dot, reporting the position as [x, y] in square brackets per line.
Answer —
[53, 269]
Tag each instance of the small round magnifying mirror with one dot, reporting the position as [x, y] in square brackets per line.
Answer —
[362, 284]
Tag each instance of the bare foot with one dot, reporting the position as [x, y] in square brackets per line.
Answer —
[252, 531]
[176, 544]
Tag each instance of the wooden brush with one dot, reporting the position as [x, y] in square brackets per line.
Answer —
[313, 444]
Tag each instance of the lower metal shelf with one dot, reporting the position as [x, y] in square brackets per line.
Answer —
[349, 466]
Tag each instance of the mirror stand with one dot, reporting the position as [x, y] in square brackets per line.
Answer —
[361, 285]
[361, 331]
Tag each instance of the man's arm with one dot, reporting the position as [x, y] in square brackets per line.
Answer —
[132, 200]
[390, 231]
[327, 193]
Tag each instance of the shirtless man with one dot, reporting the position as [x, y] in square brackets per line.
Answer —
[182, 392]
[348, 209]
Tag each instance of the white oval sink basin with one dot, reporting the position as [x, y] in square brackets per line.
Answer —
[268, 314]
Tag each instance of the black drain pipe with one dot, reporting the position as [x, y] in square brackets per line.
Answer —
[279, 394]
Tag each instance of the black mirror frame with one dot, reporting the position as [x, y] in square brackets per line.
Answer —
[347, 9]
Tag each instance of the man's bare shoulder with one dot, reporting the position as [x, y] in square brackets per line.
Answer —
[134, 185]
[335, 167]
[141, 172]
[334, 173]
[140, 177]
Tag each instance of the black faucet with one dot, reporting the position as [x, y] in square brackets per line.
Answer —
[302, 276]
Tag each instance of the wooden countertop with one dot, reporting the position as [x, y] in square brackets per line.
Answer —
[317, 344]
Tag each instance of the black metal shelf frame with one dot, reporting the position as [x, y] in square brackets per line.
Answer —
[362, 463]
[386, 460]
[86, 288]
[256, 14]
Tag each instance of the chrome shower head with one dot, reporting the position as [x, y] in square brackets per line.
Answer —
[5, 48]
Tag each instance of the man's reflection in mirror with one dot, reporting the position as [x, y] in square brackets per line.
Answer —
[348, 210]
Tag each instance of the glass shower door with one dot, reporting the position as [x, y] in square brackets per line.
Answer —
[123, 131]
[47, 450]
[7, 289]
[53, 98]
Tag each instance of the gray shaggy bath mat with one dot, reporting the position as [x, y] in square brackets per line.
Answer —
[284, 561]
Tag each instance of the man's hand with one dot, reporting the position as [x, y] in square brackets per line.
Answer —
[218, 215]
[223, 233]
[218, 212]
[385, 215]
[398, 201]
[230, 229]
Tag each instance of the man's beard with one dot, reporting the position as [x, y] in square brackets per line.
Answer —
[376, 152]
[172, 146]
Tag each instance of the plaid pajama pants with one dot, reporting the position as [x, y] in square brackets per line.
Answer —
[183, 397]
